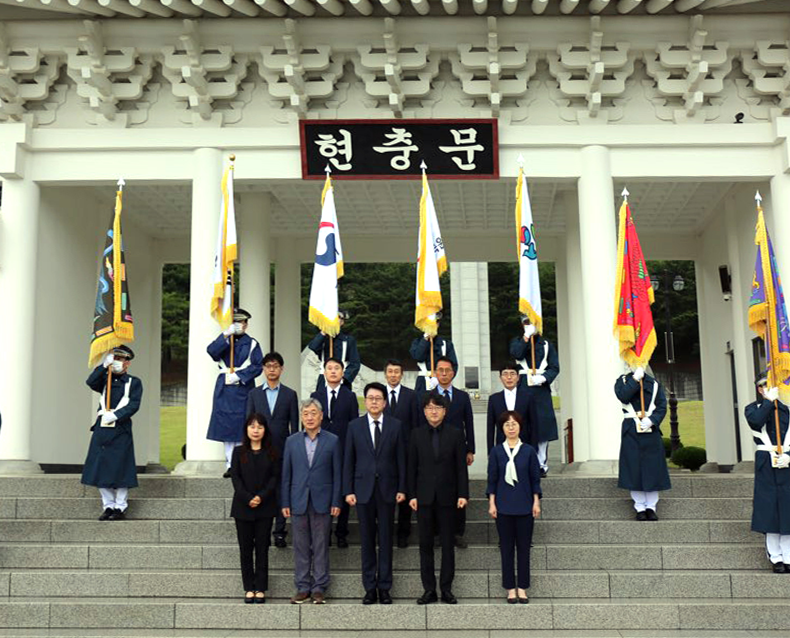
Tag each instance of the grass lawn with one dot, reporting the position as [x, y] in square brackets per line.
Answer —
[173, 429]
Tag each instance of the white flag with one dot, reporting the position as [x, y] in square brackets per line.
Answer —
[226, 254]
[431, 263]
[328, 267]
[528, 281]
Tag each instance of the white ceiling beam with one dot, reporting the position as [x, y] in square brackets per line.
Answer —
[450, 7]
[596, 6]
[421, 6]
[332, 6]
[213, 6]
[363, 7]
[539, 6]
[182, 6]
[122, 7]
[153, 7]
[92, 6]
[245, 7]
[48, 5]
[654, 6]
[480, 6]
[627, 6]
[509, 7]
[304, 7]
[391, 6]
[686, 5]
[567, 6]
[275, 7]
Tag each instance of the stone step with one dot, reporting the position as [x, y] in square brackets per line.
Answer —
[547, 532]
[342, 615]
[552, 557]
[554, 508]
[544, 584]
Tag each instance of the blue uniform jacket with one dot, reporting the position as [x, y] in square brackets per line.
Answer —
[229, 410]
[319, 483]
[514, 500]
[351, 364]
[540, 394]
[771, 510]
[420, 351]
[643, 462]
[110, 461]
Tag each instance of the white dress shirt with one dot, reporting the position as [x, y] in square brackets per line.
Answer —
[510, 399]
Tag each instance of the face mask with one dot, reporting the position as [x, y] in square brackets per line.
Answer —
[117, 367]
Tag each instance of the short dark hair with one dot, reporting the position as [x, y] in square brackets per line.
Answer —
[334, 360]
[273, 356]
[436, 399]
[394, 362]
[375, 385]
[447, 359]
[509, 366]
[506, 416]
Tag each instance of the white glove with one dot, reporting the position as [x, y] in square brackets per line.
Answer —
[108, 360]
[230, 330]
[771, 394]
[108, 417]
[529, 330]
[536, 379]
[231, 378]
[433, 383]
[639, 374]
[426, 336]
[646, 424]
[782, 462]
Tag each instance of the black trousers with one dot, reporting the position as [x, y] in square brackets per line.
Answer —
[341, 527]
[404, 520]
[254, 538]
[429, 519]
[515, 537]
[460, 521]
[376, 524]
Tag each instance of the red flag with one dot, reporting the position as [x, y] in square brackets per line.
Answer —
[633, 319]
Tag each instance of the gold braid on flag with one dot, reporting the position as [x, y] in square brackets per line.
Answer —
[524, 306]
[228, 255]
[429, 301]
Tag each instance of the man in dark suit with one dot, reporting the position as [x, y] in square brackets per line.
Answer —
[374, 479]
[459, 415]
[438, 486]
[511, 397]
[340, 407]
[344, 348]
[403, 404]
[311, 493]
[279, 404]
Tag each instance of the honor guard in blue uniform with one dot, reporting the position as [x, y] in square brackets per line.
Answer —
[771, 510]
[344, 348]
[110, 462]
[538, 385]
[420, 351]
[229, 410]
[643, 463]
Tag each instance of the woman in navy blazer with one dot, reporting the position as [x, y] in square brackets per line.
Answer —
[255, 471]
[514, 502]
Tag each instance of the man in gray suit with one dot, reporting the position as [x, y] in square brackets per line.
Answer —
[310, 493]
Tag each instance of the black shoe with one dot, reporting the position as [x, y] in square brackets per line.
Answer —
[117, 515]
[342, 543]
[651, 515]
[249, 600]
[403, 543]
[460, 542]
[226, 474]
[641, 516]
[279, 541]
[523, 600]
[370, 597]
[384, 597]
[779, 568]
[447, 597]
[787, 568]
[543, 473]
[106, 514]
[427, 598]
[260, 600]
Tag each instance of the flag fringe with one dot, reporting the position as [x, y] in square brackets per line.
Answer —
[330, 327]
[626, 337]
[525, 308]
[618, 280]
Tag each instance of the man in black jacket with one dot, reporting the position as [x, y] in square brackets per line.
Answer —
[511, 397]
[438, 486]
[280, 406]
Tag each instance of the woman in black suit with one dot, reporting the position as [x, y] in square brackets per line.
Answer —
[514, 502]
[255, 472]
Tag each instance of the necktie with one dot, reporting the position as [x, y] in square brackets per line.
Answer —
[447, 395]
[393, 400]
[332, 403]
[376, 435]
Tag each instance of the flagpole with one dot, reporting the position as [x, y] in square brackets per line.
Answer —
[331, 346]
[232, 304]
[432, 359]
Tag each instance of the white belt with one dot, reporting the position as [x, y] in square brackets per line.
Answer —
[629, 412]
[771, 448]
[424, 372]
[527, 369]
[767, 446]
[121, 404]
[224, 368]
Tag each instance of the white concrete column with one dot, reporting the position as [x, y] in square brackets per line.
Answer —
[598, 243]
[573, 374]
[254, 264]
[287, 313]
[471, 332]
[19, 218]
[203, 456]
[563, 385]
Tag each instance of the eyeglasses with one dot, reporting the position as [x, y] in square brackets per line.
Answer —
[434, 408]
[272, 366]
[375, 399]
